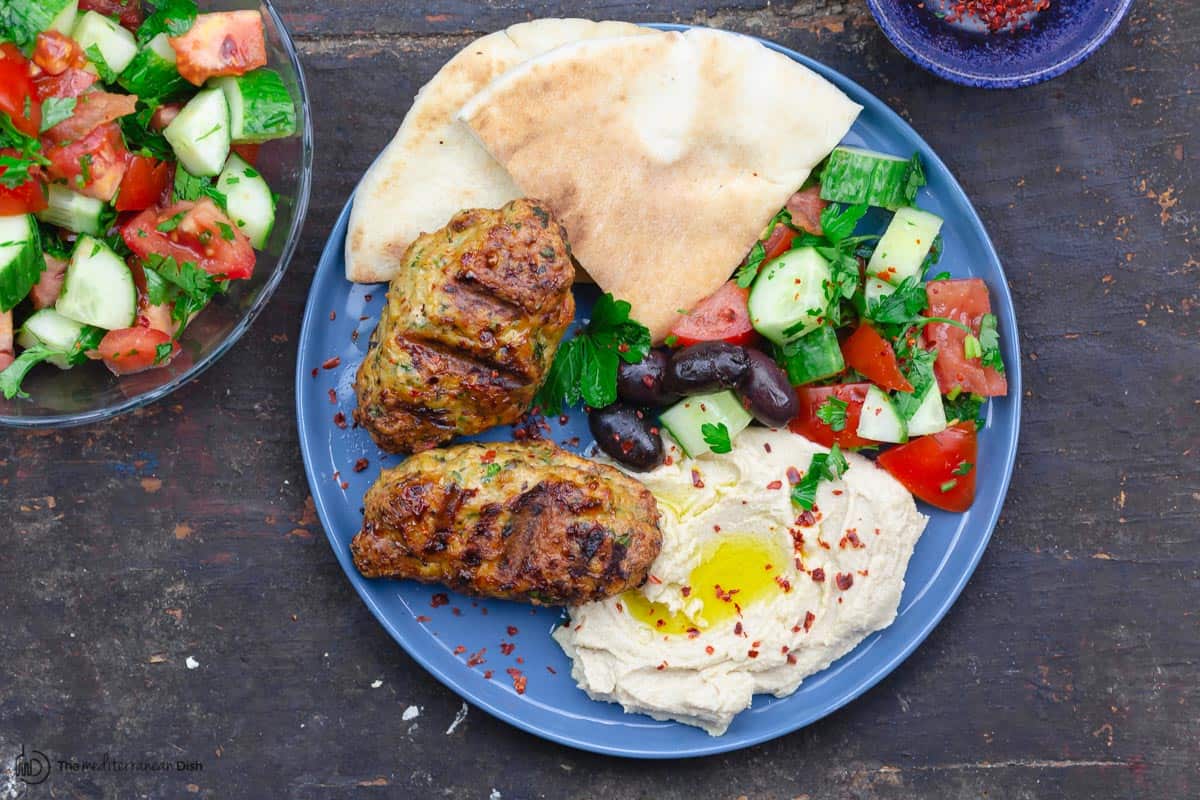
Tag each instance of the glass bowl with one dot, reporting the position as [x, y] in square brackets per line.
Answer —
[90, 393]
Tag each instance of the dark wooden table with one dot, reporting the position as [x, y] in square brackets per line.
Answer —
[183, 535]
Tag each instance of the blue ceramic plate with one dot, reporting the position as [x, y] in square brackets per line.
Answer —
[1054, 41]
[443, 633]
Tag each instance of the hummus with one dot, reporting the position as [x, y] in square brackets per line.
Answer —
[750, 594]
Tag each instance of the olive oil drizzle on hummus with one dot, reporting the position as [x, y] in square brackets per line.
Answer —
[735, 571]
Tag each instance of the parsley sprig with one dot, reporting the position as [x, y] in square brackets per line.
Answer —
[833, 413]
[829, 466]
[11, 378]
[585, 368]
[716, 437]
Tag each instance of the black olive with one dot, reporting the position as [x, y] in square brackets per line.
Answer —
[627, 435]
[642, 383]
[766, 392]
[706, 367]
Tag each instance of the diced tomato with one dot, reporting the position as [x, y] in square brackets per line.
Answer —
[201, 234]
[144, 183]
[128, 11]
[966, 301]
[779, 242]
[30, 196]
[17, 96]
[939, 468]
[722, 316]
[7, 353]
[129, 350]
[221, 43]
[55, 53]
[872, 355]
[248, 152]
[91, 110]
[810, 426]
[71, 83]
[93, 165]
[46, 291]
[806, 206]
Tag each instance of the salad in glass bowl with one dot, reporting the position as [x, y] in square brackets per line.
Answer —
[130, 194]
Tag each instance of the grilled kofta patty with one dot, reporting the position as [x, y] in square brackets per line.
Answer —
[471, 325]
[520, 521]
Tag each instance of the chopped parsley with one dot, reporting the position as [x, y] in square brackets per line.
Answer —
[170, 223]
[586, 366]
[226, 231]
[11, 378]
[989, 342]
[964, 468]
[163, 352]
[172, 17]
[948, 485]
[55, 110]
[829, 466]
[833, 413]
[716, 437]
[749, 271]
[100, 63]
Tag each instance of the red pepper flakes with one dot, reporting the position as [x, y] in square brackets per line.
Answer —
[487, 674]
[507, 648]
[458, 651]
[716, 528]
[709, 649]
[661, 666]
[520, 660]
[519, 680]
[791, 659]
[818, 575]
[686, 591]
[692, 633]
[809, 619]
[333, 396]
[563, 419]
[361, 464]
[784, 583]
[767, 446]
[837, 492]
[488, 457]
[476, 658]
[315, 370]
[773, 485]
[862, 572]
[367, 298]
[456, 611]
[737, 629]
[551, 670]
[696, 481]
[620, 608]
[339, 419]
[793, 475]
[724, 595]
[768, 567]
[332, 316]
[331, 363]
[806, 519]
[669, 461]
[852, 539]
[752, 653]
[784, 649]
[844, 580]
[484, 611]
[440, 599]
[354, 335]
[422, 618]
[655, 579]
[512, 630]
[997, 15]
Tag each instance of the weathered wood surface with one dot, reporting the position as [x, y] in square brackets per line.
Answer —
[1070, 667]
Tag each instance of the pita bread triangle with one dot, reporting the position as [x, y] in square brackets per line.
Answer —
[663, 155]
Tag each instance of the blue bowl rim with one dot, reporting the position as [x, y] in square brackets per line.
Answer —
[980, 80]
[717, 745]
[264, 295]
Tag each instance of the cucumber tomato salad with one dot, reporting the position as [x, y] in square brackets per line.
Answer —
[854, 341]
[129, 132]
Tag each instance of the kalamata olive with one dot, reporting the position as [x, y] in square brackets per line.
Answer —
[706, 367]
[642, 384]
[627, 435]
[766, 392]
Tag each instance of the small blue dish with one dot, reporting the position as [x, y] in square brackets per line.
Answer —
[1045, 45]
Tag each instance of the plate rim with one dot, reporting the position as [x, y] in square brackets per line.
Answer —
[312, 316]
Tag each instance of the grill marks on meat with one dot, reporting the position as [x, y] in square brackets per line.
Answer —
[471, 326]
[532, 522]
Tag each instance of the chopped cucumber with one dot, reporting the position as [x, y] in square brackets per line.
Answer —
[686, 419]
[930, 415]
[98, 289]
[813, 357]
[73, 211]
[260, 107]
[853, 175]
[904, 245]
[21, 259]
[880, 421]
[152, 74]
[248, 200]
[876, 289]
[116, 44]
[790, 295]
[199, 135]
[52, 329]
[64, 21]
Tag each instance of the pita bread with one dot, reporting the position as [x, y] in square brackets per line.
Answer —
[434, 167]
[664, 155]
